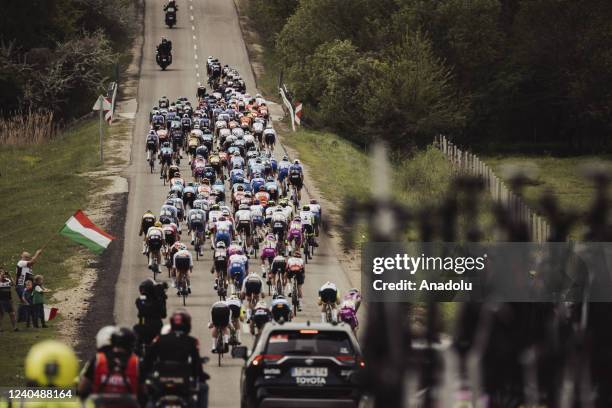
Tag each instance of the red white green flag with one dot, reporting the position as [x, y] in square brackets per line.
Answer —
[80, 229]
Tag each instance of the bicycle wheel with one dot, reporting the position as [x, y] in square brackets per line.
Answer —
[328, 313]
[294, 296]
[279, 286]
[219, 345]
[306, 254]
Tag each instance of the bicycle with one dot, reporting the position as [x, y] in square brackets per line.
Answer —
[222, 286]
[219, 345]
[199, 240]
[151, 159]
[164, 172]
[182, 287]
[154, 266]
[308, 247]
[294, 197]
[295, 301]
[328, 312]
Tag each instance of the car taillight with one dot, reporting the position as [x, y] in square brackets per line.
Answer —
[266, 358]
[351, 360]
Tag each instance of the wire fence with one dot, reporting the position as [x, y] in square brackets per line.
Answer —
[465, 162]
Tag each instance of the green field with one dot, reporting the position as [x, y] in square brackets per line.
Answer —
[42, 185]
[562, 175]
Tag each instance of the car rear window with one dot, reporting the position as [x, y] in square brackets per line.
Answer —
[310, 342]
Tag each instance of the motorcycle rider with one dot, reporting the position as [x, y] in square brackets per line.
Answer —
[179, 347]
[171, 4]
[164, 49]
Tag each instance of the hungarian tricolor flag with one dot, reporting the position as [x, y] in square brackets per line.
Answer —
[80, 229]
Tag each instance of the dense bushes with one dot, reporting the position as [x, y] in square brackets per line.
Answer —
[489, 72]
[56, 55]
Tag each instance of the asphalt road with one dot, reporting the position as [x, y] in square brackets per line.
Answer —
[205, 27]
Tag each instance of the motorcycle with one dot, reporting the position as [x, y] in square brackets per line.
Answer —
[170, 17]
[163, 61]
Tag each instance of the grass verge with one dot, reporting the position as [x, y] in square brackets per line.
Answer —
[562, 175]
[42, 186]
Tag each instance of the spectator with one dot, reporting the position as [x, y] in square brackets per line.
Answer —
[38, 301]
[6, 304]
[28, 307]
[24, 270]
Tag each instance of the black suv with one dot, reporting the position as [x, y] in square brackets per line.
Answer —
[302, 365]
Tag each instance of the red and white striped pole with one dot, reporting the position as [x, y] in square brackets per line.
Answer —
[298, 113]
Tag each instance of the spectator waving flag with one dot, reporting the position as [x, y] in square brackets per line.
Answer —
[80, 229]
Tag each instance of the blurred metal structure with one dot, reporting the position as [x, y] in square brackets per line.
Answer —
[552, 354]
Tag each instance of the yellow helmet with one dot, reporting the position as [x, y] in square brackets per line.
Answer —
[51, 363]
[158, 224]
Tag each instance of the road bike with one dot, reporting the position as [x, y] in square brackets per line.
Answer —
[308, 246]
[198, 243]
[183, 289]
[295, 301]
[154, 266]
[328, 310]
[222, 285]
[219, 345]
[164, 172]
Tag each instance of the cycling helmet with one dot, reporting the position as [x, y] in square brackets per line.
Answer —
[236, 153]
[243, 207]
[185, 116]
[51, 363]
[215, 207]
[285, 158]
[256, 202]
[103, 338]
[158, 224]
[182, 247]
[225, 213]
[271, 203]
[220, 244]
[181, 321]
[261, 305]
[262, 188]
[123, 338]
[240, 188]
[296, 161]
[313, 201]
[306, 208]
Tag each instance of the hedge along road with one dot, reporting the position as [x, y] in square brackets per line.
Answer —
[205, 27]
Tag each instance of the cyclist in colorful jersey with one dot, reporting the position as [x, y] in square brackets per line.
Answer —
[196, 221]
[295, 270]
[237, 268]
[268, 251]
[271, 187]
[148, 220]
[269, 211]
[308, 221]
[261, 316]
[262, 195]
[220, 259]
[220, 315]
[257, 212]
[257, 182]
[279, 224]
[295, 236]
[224, 230]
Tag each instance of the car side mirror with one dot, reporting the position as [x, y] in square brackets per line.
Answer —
[240, 352]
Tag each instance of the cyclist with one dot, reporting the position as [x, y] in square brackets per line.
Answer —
[220, 261]
[155, 242]
[243, 221]
[279, 224]
[295, 236]
[152, 144]
[165, 158]
[262, 195]
[251, 291]
[257, 219]
[268, 252]
[235, 306]
[261, 316]
[148, 220]
[283, 172]
[277, 270]
[196, 220]
[281, 310]
[295, 270]
[308, 222]
[315, 209]
[183, 267]
[224, 230]
[296, 177]
[328, 295]
[220, 314]
[178, 347]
